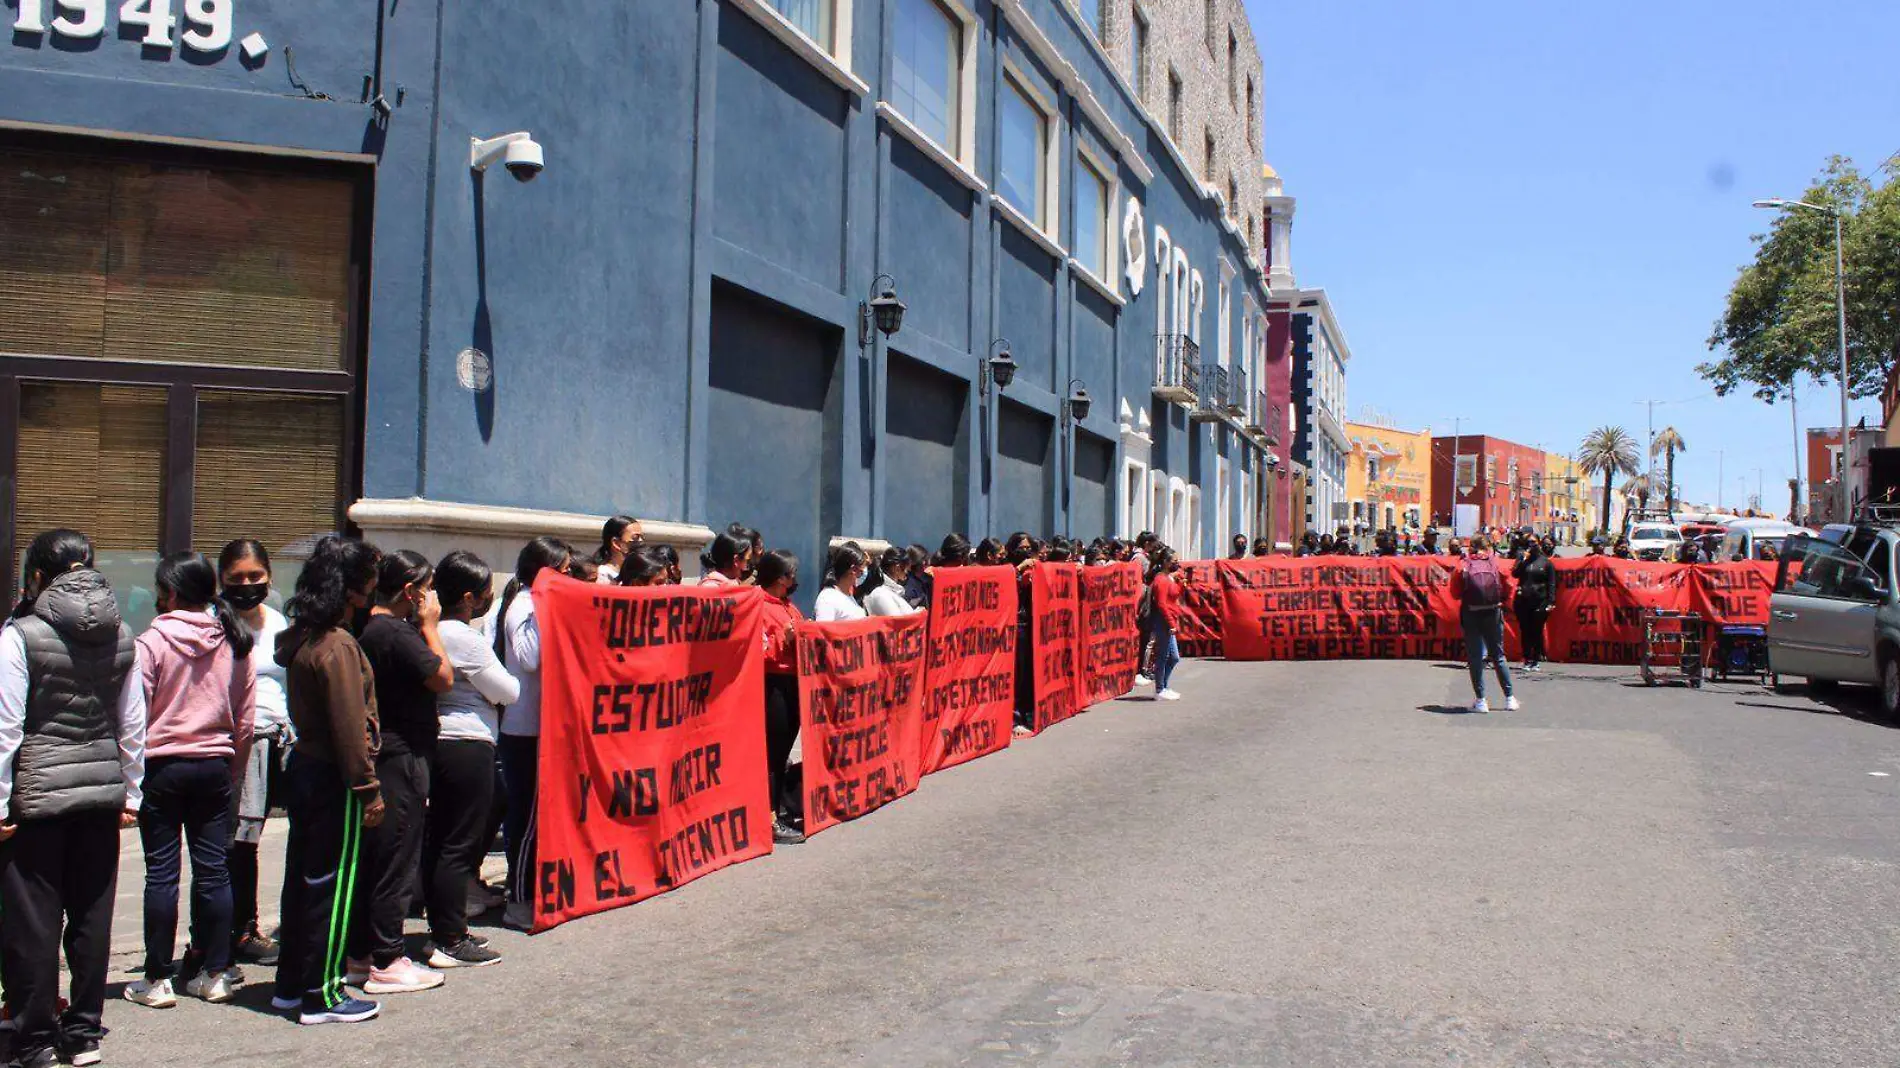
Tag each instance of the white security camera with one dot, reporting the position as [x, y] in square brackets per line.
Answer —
[519, 152]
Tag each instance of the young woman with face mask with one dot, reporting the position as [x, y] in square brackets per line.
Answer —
[411, 667]
[200, 700]
[462, 774]
[245, 577]
[778, 576]
[330, 779]
[518, 643]
[618, 537]
[839, 599]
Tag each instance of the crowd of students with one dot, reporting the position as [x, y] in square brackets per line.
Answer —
[392, 709]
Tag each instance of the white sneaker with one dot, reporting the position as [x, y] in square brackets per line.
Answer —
[1143, 680]
[518, 915]
[404, 976]
[213, 988]
[1167, 695]
[151, 993]
[1481, 705]
[1510, 704]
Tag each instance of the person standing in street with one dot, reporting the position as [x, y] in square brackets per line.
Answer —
[200, 700]
[518, 644]
[410, 667]
[1478, 587]
[330, 780]
[244, 575]
[1536, 596]
[778, 577]
[72, 765]
[1164, 622]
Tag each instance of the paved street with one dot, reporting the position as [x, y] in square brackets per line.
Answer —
[1297, 864]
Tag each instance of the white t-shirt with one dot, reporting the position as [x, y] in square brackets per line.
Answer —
[888, 600]
[523, 646]
[273, 708]
[481, 683]
[834, 605]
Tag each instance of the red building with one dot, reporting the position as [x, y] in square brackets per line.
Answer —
[1504, 479]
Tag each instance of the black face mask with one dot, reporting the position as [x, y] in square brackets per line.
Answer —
[246, 596]
[789, 590]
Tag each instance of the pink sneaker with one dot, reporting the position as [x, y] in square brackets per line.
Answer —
[401, 977]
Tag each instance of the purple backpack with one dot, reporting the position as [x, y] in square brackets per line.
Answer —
[1484, 583]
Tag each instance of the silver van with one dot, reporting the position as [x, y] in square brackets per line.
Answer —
[1838, 619]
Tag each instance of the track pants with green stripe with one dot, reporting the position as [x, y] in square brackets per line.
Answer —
[326, 831]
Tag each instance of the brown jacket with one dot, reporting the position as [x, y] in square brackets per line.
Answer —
[332, 698]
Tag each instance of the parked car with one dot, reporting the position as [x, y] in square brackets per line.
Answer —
[1655, 541]
[1837, 619]
[1747, 539]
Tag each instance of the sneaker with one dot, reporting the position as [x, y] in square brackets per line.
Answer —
[518, 915]
[404, 976]
[1481, 705]
[1143, 680]
[349, 1010]
[285, 1004]
[356, 971]
[151, 993]
[783, 834]
[212, 988]
[1168, 695]
[256, 947]
[1020, 731]
[1510, 704]
[463, 954]
[83, 1052]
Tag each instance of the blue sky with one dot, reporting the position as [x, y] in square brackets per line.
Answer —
[1529, 214]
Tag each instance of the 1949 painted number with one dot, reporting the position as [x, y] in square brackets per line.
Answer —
[208, 22]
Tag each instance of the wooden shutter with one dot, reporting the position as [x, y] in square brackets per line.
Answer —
[266, 468]
[53, 212]
[229, 267]
[91, 457]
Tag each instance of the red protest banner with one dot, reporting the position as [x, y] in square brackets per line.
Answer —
[1201, 615]
[1110, 640]
[1055, 639]
[1333, 608]
[860, 695]
[1733, 593]
[970, 672]
[652, 741]
[1600, 601]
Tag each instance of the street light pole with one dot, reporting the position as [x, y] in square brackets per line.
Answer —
[1840, 309]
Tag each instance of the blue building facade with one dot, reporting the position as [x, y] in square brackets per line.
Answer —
[666, 322]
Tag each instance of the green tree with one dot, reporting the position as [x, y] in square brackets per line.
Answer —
[1607, 451]
[1669, 443]
[1780, 319]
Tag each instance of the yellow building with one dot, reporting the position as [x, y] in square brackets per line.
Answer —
[1388, 479]
[1568, 501]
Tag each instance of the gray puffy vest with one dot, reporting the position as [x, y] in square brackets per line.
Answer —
[79, 658]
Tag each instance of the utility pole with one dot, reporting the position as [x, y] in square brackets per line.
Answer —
[1718, 480]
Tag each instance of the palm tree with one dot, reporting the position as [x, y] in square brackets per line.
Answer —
[1637, 488]
[1669, 443]
[1607, 451]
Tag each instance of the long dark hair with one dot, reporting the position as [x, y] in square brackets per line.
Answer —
[954, 552]
[540, 553]
[459, 574]
[53, 553]
[191, 580]
[776, 565]
[641, 566]
[609, 531]
[399, 571]
[1161, 563]
[240, 549]
[337, 567]
[844, 560]
[989, 551]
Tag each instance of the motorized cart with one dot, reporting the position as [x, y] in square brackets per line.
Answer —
[1672, 647]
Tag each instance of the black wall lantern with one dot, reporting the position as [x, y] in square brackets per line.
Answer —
[883, 310]
[999, 368]
[1079, 400]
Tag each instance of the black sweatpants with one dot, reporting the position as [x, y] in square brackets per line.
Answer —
[320, 869]
[392, 858]
[461, 789]
[781, 731]
[63, 868]
[1530, 631]
[520, 777]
